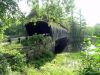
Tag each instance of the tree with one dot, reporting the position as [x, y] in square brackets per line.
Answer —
[9, 14]
[68, 6]
[75, 36]
[89, 31]
[77, 31]
[97, 30]
[52, 10]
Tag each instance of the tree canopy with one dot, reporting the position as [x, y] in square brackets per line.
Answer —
[97, 30]
[9, 14]
[50, 10]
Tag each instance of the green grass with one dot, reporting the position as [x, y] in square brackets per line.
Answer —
[62, 64]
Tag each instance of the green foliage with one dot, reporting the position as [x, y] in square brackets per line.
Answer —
[87, 41]
[8, 6]
[15, 30]
[56, 11]
[13, 57]
[37, 53]
[3, 65]
[90, 62]
[97, 41]
[60, 65]
[9, 15]
[89, 31]
[97, 30]
[75, 36]
[39, 50]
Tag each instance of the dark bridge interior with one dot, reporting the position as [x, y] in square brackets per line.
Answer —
[40, 28]
[60, 45]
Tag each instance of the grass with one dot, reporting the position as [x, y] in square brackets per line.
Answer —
[66, 63]
[62, 64]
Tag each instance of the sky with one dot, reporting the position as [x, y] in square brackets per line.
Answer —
[24, 7]
[90, 10]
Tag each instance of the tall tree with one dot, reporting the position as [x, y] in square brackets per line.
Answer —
[75, 36]
[9, 14]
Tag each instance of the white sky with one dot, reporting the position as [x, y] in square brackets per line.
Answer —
[24, 7]
[90, 10]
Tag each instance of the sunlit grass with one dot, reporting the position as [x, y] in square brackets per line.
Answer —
[62, 64]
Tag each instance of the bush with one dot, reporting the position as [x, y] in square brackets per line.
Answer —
[40, 49]
[14, 58]
[3, 65]
[90, 62]
[97, 41]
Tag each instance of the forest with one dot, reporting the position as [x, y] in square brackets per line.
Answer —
[49, 40]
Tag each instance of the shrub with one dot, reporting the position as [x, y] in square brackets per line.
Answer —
[3, 65]
[14, 58]
[40, 49]
[97, 42]
[90, 62]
